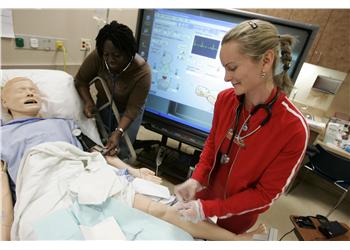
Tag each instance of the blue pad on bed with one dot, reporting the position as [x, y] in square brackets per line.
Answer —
[135, 224]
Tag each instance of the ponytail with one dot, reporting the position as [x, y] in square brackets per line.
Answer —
[282, 80]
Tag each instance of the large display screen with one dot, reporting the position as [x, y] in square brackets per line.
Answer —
[182, 48]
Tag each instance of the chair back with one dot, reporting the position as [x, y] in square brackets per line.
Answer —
[331, 166]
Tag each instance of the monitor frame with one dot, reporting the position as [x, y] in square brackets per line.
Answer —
[196, 137]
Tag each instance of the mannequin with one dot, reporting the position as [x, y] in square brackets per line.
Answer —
[22, 98]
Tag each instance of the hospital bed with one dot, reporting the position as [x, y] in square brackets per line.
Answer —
[60, 99]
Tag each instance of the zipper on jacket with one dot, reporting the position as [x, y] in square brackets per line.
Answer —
[216, 156]
[229, 173]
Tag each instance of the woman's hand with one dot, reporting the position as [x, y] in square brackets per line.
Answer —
[190, 211]
[90, 110]
[187, 190]
[112, 146]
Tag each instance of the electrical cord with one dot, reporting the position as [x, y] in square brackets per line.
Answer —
[286, 234]
[64, 58]
[60, 46]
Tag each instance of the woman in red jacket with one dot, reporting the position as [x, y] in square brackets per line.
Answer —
[258, 137]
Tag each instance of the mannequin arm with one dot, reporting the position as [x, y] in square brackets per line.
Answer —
[6, 206]
[143, 173]
[203, 230]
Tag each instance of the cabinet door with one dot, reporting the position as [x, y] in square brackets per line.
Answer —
[318, 17]
[333, 47]
[281, 13]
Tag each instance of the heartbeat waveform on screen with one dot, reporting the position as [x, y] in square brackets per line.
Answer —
[205, 46]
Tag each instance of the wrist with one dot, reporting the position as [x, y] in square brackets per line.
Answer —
[200, 210]
[197, 184]
[133, 171]
[119, 131]
[89, 102]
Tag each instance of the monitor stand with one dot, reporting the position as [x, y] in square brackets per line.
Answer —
[165, 160]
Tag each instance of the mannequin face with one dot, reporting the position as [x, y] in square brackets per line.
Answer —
[21, 97]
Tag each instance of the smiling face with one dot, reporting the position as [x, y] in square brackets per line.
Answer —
[241, 70]
[21, 97]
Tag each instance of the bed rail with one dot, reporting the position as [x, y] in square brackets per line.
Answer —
[104, 133]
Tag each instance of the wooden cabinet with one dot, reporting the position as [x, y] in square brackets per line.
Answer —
[318, 17]
[281, 13]
[331, 47]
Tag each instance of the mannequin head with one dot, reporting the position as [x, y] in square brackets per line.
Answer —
[21, 97]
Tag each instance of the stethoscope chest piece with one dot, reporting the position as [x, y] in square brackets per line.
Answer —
[224, 159]
[76, 132]
[245, 127]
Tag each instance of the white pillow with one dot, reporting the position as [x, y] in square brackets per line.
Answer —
[60, 98]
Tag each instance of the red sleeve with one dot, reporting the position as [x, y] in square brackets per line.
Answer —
[207, 156]
[270, 186]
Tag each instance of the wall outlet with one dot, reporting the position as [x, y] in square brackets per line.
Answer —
[34, 42]
[19, 41]
[59, 45]
[85, 44]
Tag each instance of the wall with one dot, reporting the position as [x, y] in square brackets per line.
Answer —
[69, 24]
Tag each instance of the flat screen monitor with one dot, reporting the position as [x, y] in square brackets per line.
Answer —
[182, 48]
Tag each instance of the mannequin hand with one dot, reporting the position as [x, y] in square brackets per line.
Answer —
[190, 211]
[145, 173]
[112, 146]
[149, 175]
[187, 190]
[90, 110]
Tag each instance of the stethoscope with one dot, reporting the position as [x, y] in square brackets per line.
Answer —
[224, 159]
[114, 80]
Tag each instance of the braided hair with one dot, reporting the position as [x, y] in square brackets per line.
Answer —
[120, 35]
[255, 37]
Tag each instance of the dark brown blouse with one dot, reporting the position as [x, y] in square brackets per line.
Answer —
[131, 87]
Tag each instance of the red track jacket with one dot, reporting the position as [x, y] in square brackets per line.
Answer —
[260, 171]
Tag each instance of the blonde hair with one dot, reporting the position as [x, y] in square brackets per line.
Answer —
[255, 37]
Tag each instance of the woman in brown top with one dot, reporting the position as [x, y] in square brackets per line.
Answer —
[128, 77]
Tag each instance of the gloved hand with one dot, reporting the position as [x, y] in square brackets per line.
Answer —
[187, 190]
[90, 110]
[190, 211]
